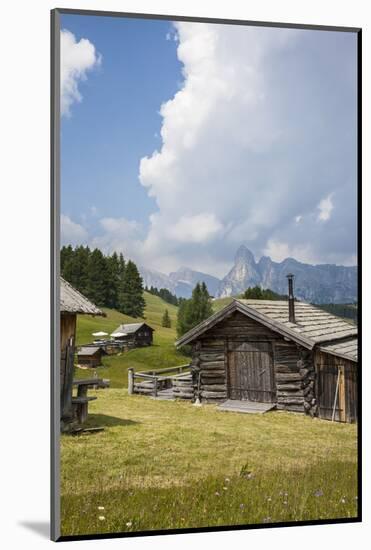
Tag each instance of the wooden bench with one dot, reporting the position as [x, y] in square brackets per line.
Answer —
[81, 401]
[80, 405]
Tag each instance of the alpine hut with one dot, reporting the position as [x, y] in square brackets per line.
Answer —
[134, 334]
[90, 356]
[290, 354]
[72, 302]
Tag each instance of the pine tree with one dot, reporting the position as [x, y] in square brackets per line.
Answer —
[96, 280]
[121, 281]
[74, 266]
[131, 293]
[183, 318]
[257, 293]
[112, 281]
[205, 306]
[191, 312]
[166, 321]
[66, 255]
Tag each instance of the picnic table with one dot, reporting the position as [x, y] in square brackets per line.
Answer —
[81, 401]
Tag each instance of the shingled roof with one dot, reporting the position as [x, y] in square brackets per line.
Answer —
[131, 328]
[313, 326]
[72, 301]
[89, 350]
[347, 349]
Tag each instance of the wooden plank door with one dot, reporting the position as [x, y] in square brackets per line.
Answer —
[250, 372]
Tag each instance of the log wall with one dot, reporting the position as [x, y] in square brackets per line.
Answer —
[90, 361]
[293, 366]
[305, 381]
[209, 364]
[294, 373]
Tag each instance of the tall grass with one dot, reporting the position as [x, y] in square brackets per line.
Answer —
[327, 490]
[160, 465]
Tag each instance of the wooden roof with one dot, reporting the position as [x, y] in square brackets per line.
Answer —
[72, 301]
[131, 328]
[313, 326]
[90, 350]
[347, 349]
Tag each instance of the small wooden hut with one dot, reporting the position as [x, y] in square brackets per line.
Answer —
[134, 334]
[90, 356]
[72, 302]
[290, 354]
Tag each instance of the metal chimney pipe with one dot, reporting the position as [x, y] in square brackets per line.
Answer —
[290, 278]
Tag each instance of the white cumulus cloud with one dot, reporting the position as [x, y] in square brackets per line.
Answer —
[120, 235]
[237, 144]
[77, 58]
[71, 232]
[325, 208]
[279, 251]
[251, 138]
[196, 229]
[212, 130]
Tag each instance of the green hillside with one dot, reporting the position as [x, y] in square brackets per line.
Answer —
[160, 355]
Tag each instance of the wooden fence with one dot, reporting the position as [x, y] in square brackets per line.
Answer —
[156, 381]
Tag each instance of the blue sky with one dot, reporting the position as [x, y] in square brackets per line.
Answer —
[181, 142]
[117, 121]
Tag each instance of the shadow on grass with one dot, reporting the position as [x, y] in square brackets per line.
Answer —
[96, 420]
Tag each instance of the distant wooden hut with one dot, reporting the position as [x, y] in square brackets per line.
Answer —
[90, 356]
[72, 302]
[290, 354]
[134, 334]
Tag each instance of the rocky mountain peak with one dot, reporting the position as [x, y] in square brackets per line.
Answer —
[244, 255]
[313, 283]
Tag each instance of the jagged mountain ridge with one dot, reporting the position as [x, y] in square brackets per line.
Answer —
[180, 282]
[323, 283]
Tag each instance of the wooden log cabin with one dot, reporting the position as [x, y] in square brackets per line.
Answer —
[251, 350]
[72, 302]
[90, 356]
[134, 334]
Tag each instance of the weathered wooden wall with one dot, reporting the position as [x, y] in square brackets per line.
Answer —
[68, 328]
[333, 371]
[68, 331]
[250, 372]
[210, 353]
[90, 361]
[293, 371]
[302, 380]
[136, 340]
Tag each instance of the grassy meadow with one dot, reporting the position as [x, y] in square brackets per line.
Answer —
[172, 465]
